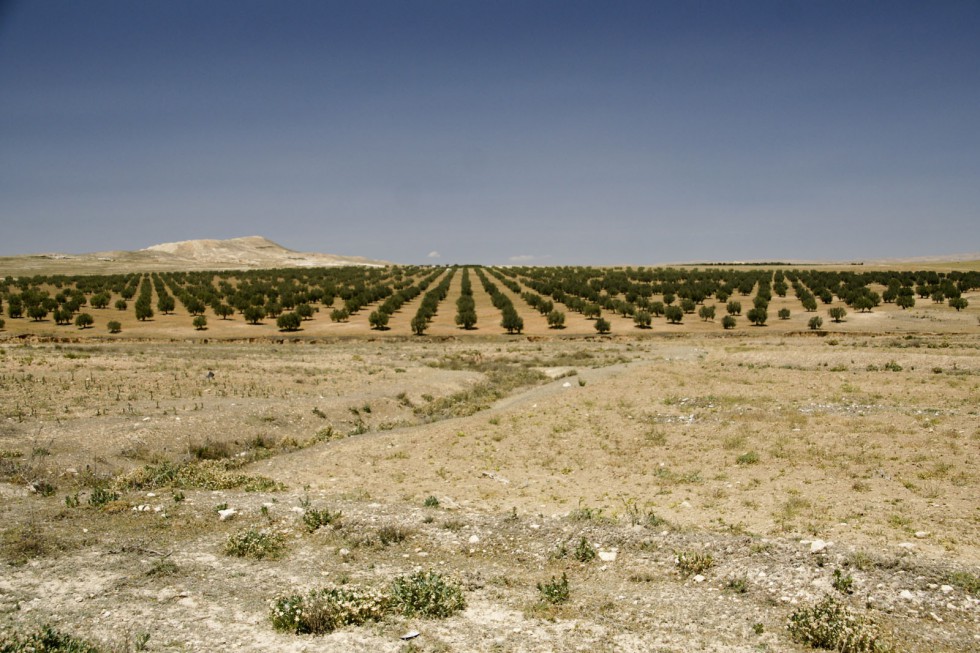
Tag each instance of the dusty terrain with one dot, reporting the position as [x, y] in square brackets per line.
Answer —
[785, 456]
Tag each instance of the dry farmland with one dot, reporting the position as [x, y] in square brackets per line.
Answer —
[684, 487]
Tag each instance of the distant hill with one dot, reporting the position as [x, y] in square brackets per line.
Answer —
[249, 253]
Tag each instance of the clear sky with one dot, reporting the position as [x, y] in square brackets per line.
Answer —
[495, 131]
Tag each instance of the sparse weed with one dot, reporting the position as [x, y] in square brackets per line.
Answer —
[585, 552]
[427, 594]
[101, 496]
[258, 544]
[323, 611]
[842, 582]
[555, 591]
[431, 502]
[830, 624]
[392, 535]
[690, 563]
[45, 640]
[748, 458]
[314, 519]
[164, 567]
[737, 584]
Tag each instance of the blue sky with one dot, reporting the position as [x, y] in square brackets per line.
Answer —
[496, 131]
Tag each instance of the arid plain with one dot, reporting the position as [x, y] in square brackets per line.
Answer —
[694, 486]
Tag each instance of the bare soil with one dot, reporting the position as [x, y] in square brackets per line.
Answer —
[747, 447]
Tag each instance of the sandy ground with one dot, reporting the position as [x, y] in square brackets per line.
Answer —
[748, 446]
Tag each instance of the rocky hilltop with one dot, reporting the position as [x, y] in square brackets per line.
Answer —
[251, 252]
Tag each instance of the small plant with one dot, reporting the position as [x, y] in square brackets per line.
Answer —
[843, 582]
[892, 366]
[585, 552]
[427, 594]
[758, 628]
[748, 458]
[71, 500]
[556, 590]
[830, 624]
[968, 582]
[45, 640]
[313, 519]
[256, 544]
[178, 496]
[101, 496]
[163, 567]
[392, 535]
[737, 584]
[323, 611]
[431, 502]
[690, 563]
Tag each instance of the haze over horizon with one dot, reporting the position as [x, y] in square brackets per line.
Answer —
[505, 132]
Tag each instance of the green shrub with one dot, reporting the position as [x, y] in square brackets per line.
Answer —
[556, 590]
[832, 625]
[585, 552]
[842, 582]
[314, 519]
[431, 502]
[44, 640]
[748, 458]
[101, 496]
[325, 610]
[690, 563]
[427, 594]
[256, 544]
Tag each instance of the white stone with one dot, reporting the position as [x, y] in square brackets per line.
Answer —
[906, 594]
[227, 513]
[607, 556]
[699, 578]
[945, 589]
[474, 539]
[922, 534]
[566, 384]
[906, 545]
[816, 546]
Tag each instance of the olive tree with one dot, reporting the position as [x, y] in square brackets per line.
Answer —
[84, 321]
[288, 321]
[556, 320]
[200, 322]
[815, 322]
[602, 325]
[837, 313]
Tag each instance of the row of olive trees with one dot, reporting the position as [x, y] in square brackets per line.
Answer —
[465, 304]
[511, 320]
[430, 304]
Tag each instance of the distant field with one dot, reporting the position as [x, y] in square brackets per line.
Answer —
[565, 301]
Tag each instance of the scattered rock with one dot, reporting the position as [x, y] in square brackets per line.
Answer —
[906, 594]
[412, 634]
[699, 578]
[607, 556]
[922, 534]
[474, 539]
[227, 513]
[817, 546]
